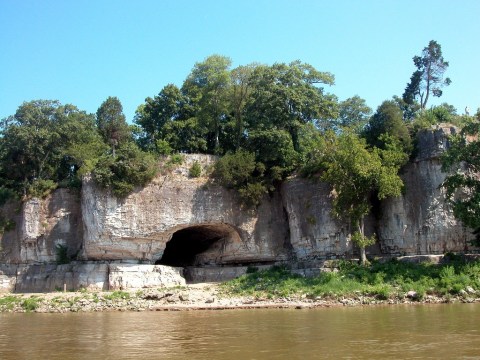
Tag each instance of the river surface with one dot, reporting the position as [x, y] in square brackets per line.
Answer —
[393, 332]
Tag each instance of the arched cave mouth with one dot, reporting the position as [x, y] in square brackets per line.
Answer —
[196, 245]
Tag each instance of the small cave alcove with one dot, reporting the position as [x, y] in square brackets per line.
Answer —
[185, 246]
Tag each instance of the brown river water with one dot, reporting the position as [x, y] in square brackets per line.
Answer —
[390, 332]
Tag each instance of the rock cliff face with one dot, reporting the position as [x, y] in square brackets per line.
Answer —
[41, 228]
[181, 221]
[187, 211]
[421, 221]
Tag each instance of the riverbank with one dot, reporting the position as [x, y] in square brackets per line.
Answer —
[194, 297]
[346, 284]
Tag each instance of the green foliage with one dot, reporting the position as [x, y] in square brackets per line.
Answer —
[162, 147]
[61, 252]
[388, 119]
[392, 279]
[129, 168]
[462, 160]
[252, 193]
[6, 194]
[240, 171]
[176, 159]
[195, 170]
[30, 304]
[43, 144]
[285, 97]
[208, 85]
[356, 172]
[361, 240]
[117, 295]
[111, 123]
[235, 170]
[353, 113]
[9, 302]
[428, 77]
[6, 224]
[40, 188]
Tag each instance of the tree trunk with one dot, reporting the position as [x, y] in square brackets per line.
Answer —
[361, 228]
[363, 255]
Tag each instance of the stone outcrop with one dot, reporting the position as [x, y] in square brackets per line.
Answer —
[41, 227]
[421, 221]
[190, 222]
[129, 276]
[139, 226]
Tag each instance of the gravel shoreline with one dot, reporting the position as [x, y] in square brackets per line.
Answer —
[192, 297]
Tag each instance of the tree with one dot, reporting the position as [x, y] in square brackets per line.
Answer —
[42, 144]
[131, 167]
[356, 173]
[157, 112]
[208, 85]
[287, 96]
[428, 78]
[353, 113]
[241, 172]
[240, 92]
[111, 123]
[388, 119]
[462, 160]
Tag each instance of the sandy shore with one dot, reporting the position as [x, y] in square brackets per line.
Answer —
[207, 296]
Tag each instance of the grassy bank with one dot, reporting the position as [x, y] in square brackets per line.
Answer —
[389, 280]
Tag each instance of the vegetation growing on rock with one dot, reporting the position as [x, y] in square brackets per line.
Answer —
[266, 122]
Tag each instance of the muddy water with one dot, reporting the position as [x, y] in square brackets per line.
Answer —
[396, 332]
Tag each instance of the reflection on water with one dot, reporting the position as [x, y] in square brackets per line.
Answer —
[397, 332]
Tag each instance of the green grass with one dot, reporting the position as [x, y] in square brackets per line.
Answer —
[9, 302]
[30, 304]
[117, 295]
[380, 280]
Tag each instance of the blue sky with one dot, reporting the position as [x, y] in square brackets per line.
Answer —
[83, 51]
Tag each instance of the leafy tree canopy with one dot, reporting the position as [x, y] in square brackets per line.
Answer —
[428, 77]
[388, 119]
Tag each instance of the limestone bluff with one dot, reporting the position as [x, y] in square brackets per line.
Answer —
[194, 224]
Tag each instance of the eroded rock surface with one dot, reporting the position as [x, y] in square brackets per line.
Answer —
[139, 226]
[181, 221]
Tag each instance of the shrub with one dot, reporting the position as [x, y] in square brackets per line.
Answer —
[176, 159]
[41, 188]
[30, 304]
[131, 167]
[6, 225]
[61, 252]
[195, 170]
[6, 194]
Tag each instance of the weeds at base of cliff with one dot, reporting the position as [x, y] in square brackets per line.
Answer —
[382, 281]
[117, 295]
[30, 304]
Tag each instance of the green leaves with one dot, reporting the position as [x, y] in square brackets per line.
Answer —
[44, 144]
[428, 78]
[356, 172]
[463, 186]
[129, 168]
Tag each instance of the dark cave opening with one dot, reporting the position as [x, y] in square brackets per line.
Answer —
[186, 244]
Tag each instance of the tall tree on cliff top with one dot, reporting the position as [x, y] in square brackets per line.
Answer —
[154, 115]
[288, 96]
[428, 78]
[111, 123]
[239, 95]
[207, 85]
[43, 144]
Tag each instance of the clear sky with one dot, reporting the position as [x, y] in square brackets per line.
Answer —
[82, 51]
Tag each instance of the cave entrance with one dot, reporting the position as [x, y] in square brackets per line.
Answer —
[196, 245]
